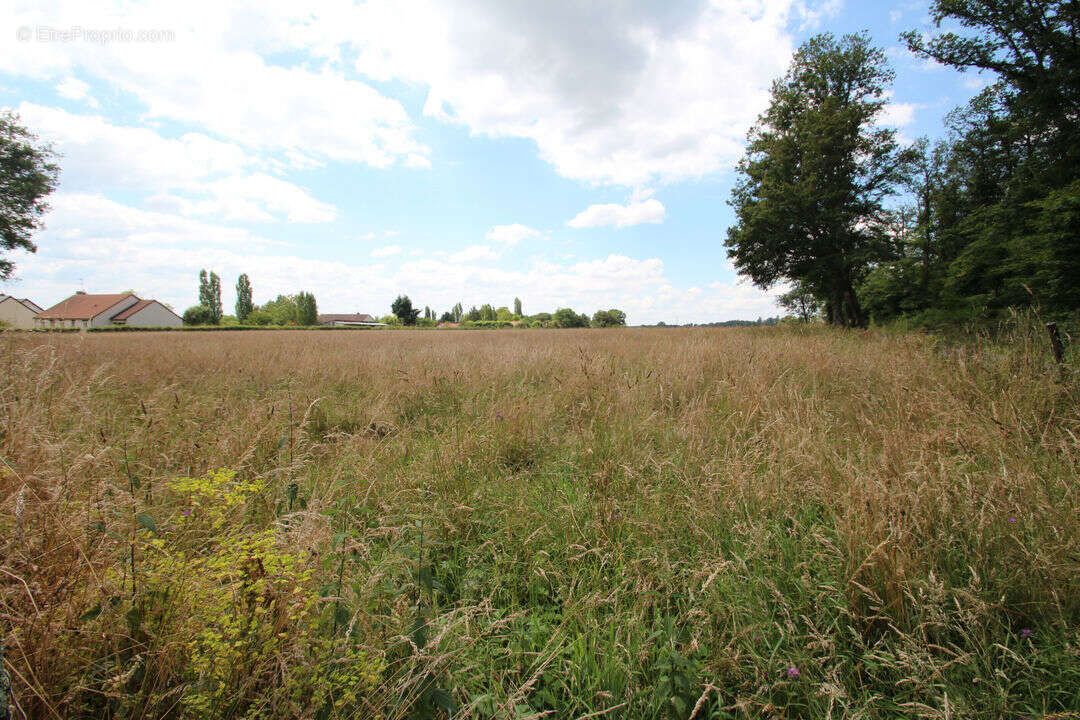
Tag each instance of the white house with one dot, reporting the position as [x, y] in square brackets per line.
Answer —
[355, 319]
[87, 311]
[148, 313]
[17, 312]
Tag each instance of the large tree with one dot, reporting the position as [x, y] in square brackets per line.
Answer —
[28, 175]
[210, 294]
[809, 202]
[307, 310]
[1005, 211]
[1034, 50]
[243, 298]
[403, 309]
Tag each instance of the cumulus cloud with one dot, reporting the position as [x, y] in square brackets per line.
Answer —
[620, 93]
[635, 212]
[72, 88]
[214, 74]
[214, 178]
[511, 234]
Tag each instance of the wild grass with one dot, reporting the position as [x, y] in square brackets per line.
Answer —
[638, 523]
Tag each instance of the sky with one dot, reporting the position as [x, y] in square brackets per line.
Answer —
[572, 154]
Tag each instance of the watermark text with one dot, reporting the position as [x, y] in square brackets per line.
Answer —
[93, 36]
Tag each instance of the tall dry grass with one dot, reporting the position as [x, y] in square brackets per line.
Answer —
[630, 523]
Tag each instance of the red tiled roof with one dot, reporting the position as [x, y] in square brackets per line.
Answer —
[128, 312]
[82, 307]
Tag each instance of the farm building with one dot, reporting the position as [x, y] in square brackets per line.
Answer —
[17, 312]
[361, 319]
[88, 311]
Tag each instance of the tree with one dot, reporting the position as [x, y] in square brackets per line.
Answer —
[473, 315]
[815, 175]
[503, 314]
[447, 317]
[487, 312]
[198, 315]
[457, 313]
[1006, 184]
[517, 306]
[282, 310]
[800, 302]
[567, 318]
[609, 318]
[1032, 47]
[243, 298]
[403, 310]
[210, 294]
[28, 175]
[307, 311]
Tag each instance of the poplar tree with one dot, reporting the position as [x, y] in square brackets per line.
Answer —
[243, 298]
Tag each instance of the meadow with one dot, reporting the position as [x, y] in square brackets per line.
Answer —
[789, 522]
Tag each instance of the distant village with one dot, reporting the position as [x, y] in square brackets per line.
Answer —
[87, 311]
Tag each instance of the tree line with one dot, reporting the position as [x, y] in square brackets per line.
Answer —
[298, 309]
[302, 309]
[402, 312]
[865, 229]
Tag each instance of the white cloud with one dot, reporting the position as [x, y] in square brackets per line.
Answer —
[473, 253]
[897, 114]
[386, 251]
[213, 178]
[213, 75]
[622, 93]
[74, 89]
[511, 234]
[610, 92]
[650, 210]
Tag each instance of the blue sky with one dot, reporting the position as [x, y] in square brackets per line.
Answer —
[567, 153]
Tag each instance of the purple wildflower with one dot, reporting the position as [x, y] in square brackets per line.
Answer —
[1026, 633]
[186, 512]
[499, 415]
[793, 672]
[1012, 519]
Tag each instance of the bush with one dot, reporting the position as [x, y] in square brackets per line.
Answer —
[199, 315]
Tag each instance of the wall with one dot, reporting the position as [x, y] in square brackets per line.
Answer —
[105, 319]
[16, 315]
[154, 315]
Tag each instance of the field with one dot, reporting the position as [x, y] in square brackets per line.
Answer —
[639, 523]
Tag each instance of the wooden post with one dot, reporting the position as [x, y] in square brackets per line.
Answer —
[1055, 342]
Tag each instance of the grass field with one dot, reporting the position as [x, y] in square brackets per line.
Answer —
[638, 523]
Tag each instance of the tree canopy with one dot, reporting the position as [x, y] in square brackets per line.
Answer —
[809, 199]
[243, 298]
[402, 308]
[28, 175]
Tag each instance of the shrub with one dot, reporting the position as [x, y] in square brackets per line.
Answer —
[199, 315]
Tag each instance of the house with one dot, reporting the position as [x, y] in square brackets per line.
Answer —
[148, 313]
[361, 319]
[17, 312]
[89, 311]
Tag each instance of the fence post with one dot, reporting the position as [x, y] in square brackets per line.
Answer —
[1055, 342]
